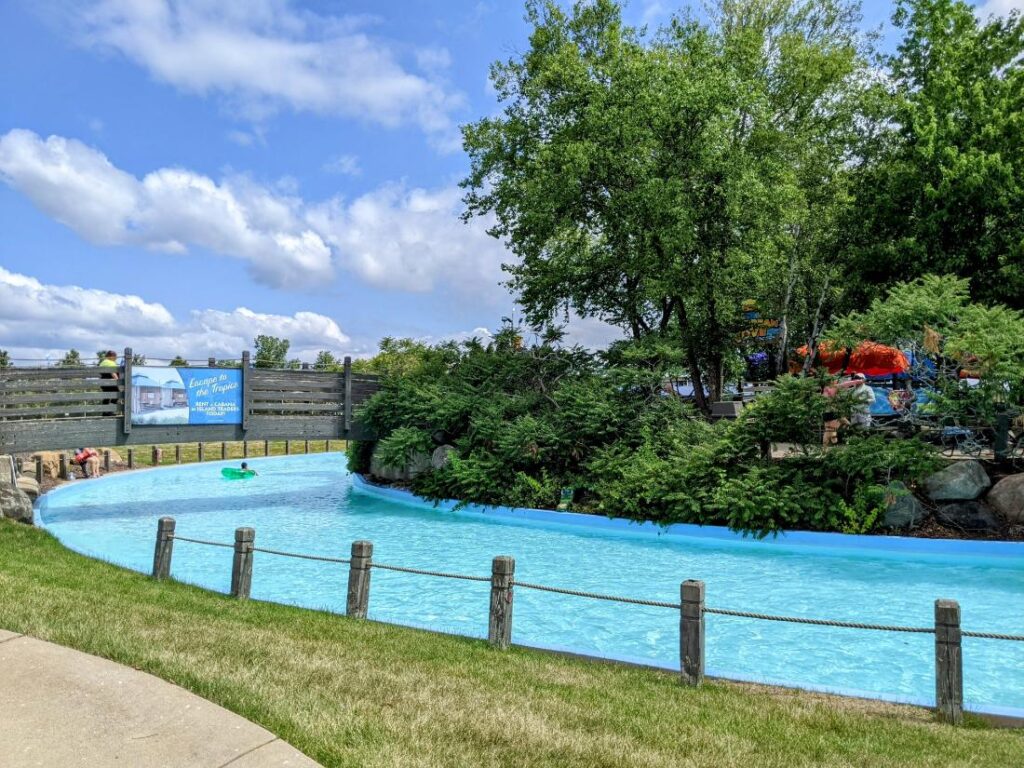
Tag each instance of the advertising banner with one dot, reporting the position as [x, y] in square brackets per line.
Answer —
[186, 395]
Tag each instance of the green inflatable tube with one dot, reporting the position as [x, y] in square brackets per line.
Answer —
[233, 473]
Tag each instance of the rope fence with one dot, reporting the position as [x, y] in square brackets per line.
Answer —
[691, 607]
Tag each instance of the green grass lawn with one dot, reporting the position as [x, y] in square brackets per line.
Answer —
[228, 450]
[358, 693]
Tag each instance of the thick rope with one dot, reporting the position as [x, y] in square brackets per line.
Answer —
[440, 574]
[615, 598]
[819, 622]
[176, 537]
[596, 596]
[320, 558]
[992, 636]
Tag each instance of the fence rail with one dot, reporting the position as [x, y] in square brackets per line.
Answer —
[58, 408]
[949, 698]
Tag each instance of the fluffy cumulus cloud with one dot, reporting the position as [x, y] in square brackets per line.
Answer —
[170, 209]
[40, 321]
[411, 240]
[393, 237]
[264, 54]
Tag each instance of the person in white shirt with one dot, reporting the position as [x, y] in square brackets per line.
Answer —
[865, 398]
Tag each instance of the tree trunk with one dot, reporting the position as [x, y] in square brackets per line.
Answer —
[691, 358]
[812, 341]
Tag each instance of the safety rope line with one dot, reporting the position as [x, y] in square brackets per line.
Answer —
[819, 622]
[176, 537]
[616, 598]
[320, 558]
[992, 636]
[440, 574]
[596, 596]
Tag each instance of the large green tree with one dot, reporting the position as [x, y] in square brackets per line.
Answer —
[940, 188]
[271, 352]
[656, 183]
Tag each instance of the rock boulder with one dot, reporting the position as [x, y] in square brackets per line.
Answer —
[419, 462]
[970, 516]
[1007, 498]
[442, 456]
[14, 503]
[902, 509]
[29, 486]
[960, 481]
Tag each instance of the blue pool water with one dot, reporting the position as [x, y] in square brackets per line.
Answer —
[311, 504]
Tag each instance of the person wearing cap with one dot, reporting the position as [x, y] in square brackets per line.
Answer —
[864, 397]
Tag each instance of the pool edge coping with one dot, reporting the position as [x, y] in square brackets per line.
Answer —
[835, 541]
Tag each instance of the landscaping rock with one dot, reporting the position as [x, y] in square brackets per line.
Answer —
[28, 486]
[8, 472]
[960, 481]
[1007, 498]
[902, 509]
[972, 516]
[442, 456]
[15, 504]
[419, 462]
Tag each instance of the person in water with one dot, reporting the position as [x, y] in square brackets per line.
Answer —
[245, 468]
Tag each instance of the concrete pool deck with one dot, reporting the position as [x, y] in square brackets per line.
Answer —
[63, 707]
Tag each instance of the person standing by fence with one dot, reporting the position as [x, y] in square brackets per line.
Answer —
[110, 361]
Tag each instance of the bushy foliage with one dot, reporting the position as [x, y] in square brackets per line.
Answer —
[527, 421]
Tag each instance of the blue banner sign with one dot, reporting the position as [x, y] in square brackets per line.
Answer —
[186, 395]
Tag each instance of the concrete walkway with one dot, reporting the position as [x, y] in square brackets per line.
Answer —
[59, 707]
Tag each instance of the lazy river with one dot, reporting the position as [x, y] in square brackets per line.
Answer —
[311, 504]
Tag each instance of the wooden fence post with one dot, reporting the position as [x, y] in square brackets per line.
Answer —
[63, 466]
[158, 456]
[126, 381]
[305, 446]
[39, 469]
[246, 390]
[327, 445]
[287, 447]
[199, 452]
[131, 458]
[177, 453]
[691, 632]
[245, 449]
[266, 447]
[164, 548]
[347, 421]
[359, 579]
[499, 625]
[949, 671]
[223, 450]
[241, 565]
[106, 459]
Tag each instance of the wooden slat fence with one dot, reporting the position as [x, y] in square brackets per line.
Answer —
[58, 408]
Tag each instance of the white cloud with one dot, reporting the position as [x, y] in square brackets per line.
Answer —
[344, 165]
[40, 321]
[170, 209]
[411, 240]
[999, 7]
[394, 237]
[264, 54]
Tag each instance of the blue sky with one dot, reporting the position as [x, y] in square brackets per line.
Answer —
[180, 176]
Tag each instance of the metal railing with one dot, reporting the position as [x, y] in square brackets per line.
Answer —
[691, 606]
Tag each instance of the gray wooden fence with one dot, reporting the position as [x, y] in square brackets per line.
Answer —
[57, 408]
